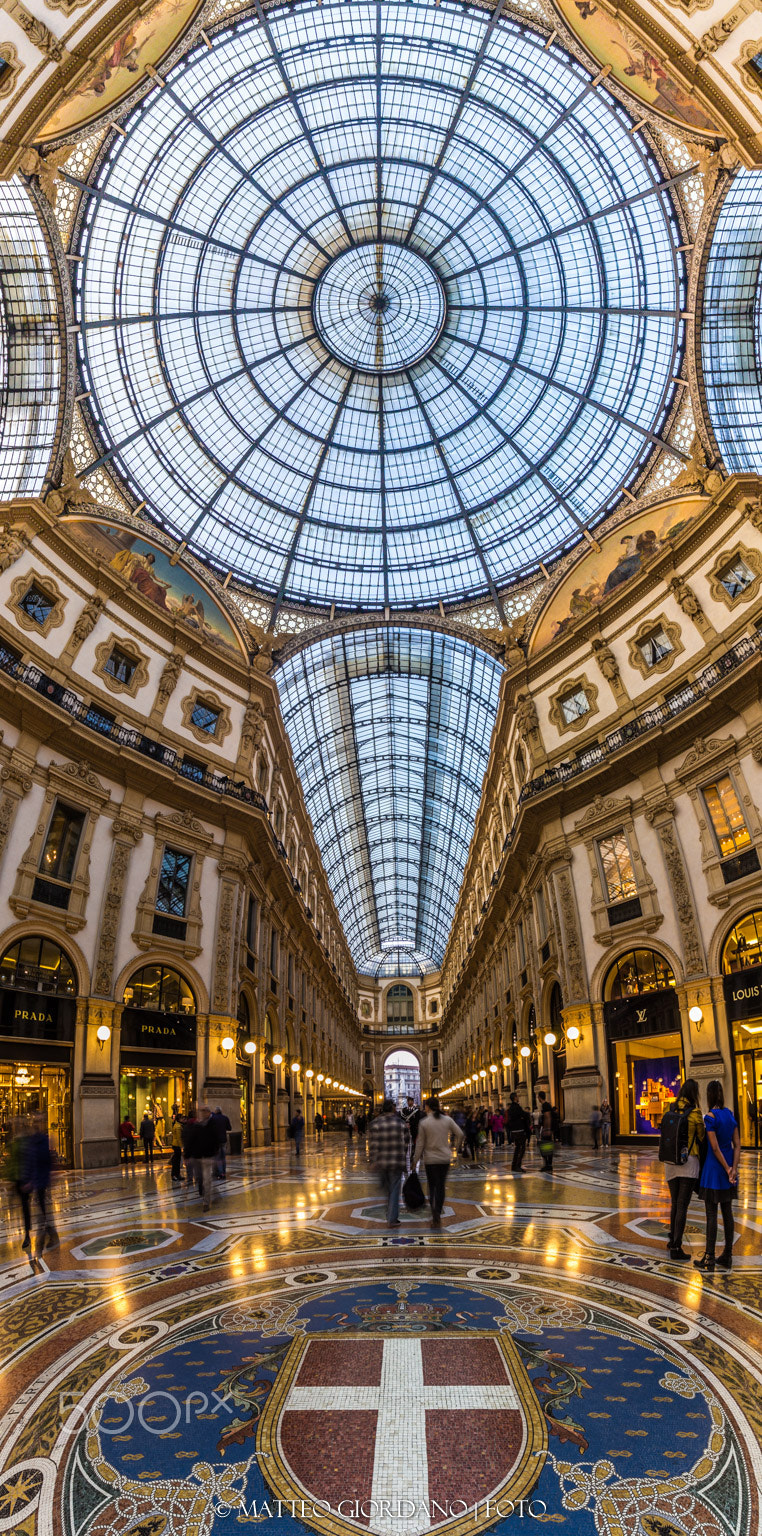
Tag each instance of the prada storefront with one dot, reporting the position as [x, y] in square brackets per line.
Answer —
[37, 1018]
[158, 1048]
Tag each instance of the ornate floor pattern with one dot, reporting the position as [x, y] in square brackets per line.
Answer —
[285, 1360]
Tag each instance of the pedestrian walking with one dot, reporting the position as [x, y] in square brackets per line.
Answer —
[606, 1123]
[546, 1132]
[472, 1133]
[518, 1126]
[319, 1127]
[595, 1126]
[13, 1171]
[177, 1150]
[36, 1174]
[147, 1135]
[388, 1156]
[297, 1132]
[223, 1127]
[719, 1176]
[681, 1137]
[203, 1147]
[127, 1140]
[498, 1128]
[350, 1124]
[436, 1134]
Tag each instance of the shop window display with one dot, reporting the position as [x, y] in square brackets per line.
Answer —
[647, 1076]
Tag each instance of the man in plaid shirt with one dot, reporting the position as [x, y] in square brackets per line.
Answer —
[388, 1154]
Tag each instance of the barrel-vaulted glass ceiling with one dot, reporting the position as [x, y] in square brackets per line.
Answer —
[390, 728]
[380, 303]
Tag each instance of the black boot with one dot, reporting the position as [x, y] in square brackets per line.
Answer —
[707, 1263]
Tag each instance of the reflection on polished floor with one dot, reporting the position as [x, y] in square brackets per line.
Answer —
[172, 1371]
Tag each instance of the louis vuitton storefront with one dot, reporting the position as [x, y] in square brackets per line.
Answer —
[158, 1047]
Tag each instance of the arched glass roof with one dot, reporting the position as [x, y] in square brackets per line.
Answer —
[380, 302]
[731, 336]
[390, 730]
[30, 350]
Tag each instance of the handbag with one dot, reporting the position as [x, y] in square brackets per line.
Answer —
[412, 1192]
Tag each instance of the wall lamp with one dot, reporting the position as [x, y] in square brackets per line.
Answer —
[250, 1046]
[696, 1016]
[309, 1072]
[321, 1077]
[227, 1044]
[526, 1050]
[575, 1035]
[296, 1066]
[550, 1038]
[102, 1034]
[277, 1059]
[493, 1067]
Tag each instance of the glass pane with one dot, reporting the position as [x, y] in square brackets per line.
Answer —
[574, 705]
[61, 844]
[728, 821]
[616, 863]
[642, 970]
[647, 1075]
[174, 879]
[743, 947]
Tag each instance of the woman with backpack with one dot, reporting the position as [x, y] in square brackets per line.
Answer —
[719, 1176]
[682, 1133]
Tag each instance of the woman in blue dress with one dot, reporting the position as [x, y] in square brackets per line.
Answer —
[719, 1176]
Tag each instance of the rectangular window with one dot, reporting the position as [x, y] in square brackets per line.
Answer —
[727, 818]
[59, 856]
[520, 946]
[619, 882]
[37, 605]
[574, 705]
[274, 951]
[205, 717]
[655, 646]
[290, 971]
[542, 916]
[174, 882]
[735, 576]
[121, 666]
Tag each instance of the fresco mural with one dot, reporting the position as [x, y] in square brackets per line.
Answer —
[621, 556]
[611, 41]
[144, 41]
[145, 566]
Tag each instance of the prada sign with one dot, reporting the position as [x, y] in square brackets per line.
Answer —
[647, 1013]
[142, 1028]
[35, 1016]
[743, 993]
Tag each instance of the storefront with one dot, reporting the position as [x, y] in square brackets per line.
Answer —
[158, 1046]
[37, 1021]
[245, 1053]
[742, 985]
[644, 1043]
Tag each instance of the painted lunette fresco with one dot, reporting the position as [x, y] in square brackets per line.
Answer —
[621, 557]
[141, 564]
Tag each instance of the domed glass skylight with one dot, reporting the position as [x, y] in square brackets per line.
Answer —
[380, 303]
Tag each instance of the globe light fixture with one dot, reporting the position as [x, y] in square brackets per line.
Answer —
[227, 1044]
[277, 1059]
[550, 1038]
[573, 1034]
[525, 1051]
[696, 1015]
[250, 1046]
[102, 1034]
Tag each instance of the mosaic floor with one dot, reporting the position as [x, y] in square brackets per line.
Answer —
[286, 1360]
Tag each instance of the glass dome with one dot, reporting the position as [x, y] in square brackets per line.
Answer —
[380, 304]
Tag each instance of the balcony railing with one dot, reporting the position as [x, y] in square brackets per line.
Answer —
[659, 715]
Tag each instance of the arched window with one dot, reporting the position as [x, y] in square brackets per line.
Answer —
[161, 989]
[640, 970]
[743, 945]
[402, 1077]
[400, 1011]
[36, 964]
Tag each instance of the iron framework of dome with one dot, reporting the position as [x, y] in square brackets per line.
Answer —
[390, 729]
[380, 303]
